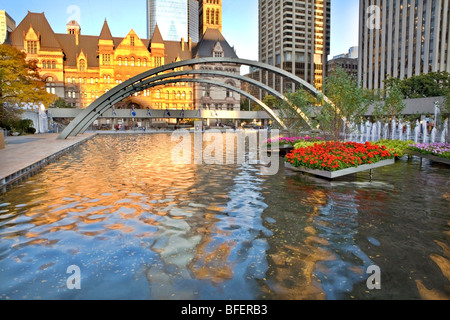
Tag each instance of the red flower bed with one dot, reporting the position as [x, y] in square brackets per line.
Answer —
[334, 156]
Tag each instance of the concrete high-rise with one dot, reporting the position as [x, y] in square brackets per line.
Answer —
[7, 25]
[176, 19]
[295, 36]
[401, 39]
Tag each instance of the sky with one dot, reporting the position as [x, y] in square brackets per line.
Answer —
[240, 20]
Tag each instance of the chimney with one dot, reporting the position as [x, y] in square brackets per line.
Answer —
[190, 44]
[182, 44]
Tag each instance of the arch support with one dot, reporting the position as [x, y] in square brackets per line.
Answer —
[134, 84]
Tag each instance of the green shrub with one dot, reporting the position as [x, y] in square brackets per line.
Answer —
[400, 147]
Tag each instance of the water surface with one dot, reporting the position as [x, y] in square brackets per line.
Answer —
[140, 227]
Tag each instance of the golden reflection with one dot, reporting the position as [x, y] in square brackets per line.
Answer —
[443, 262]
[291, 272]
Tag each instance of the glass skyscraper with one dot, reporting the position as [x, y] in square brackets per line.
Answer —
[175, 19]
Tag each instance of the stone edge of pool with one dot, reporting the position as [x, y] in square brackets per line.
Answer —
[24, 160]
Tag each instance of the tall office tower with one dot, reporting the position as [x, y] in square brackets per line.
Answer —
[7, 25]
[402, 38]
[176, 19]
[210, 15]
[295, 36]
[193, 21]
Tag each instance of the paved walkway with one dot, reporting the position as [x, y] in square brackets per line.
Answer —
[22, 155]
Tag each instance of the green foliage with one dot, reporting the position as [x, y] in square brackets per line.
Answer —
[288, 110]
[61, 103]
[350, 101]
[306, 144]
[400, 147]
[433, 84]
[19, 83]
[394, 101]
[446, 105]
[24, 126]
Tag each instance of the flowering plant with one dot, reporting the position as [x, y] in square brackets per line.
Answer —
[292, 141]
[436, 149]
[334, 156]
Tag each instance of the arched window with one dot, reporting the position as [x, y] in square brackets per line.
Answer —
[133, 61]
[49, 64]
[207, 15]
[183, 96]
[139, 62]
[82, 65]
[44, 64]
[120, 61]
[54, 65]
[158, 94]
[167, 95]
[212, 16]
[145, 62]
[50, 85]
[217, 17]
[174, 95]
[178, 95]
[126, 62]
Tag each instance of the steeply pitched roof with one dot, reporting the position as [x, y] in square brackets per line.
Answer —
[41, 26]
[106, 32]
[209, 40]
[87, 44]
[157, 37]
[174, 50]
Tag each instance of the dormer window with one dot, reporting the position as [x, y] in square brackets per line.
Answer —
[218, 51]
[32, 47]
[82, 65]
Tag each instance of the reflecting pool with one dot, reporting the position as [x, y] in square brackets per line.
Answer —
[140, 227]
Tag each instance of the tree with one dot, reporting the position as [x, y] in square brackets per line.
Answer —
[446, 106]
[394, 100]
[20, 83]
[61, 103]
[349, 102]
[293, 121]
[433, 84]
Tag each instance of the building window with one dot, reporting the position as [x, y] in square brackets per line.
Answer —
[32, 47]
[120, 61]
[132, 61]
[138, 62]
[126, 62]
[106, 58]
[53, 64]
[158, 94]
[50, 85]
[82, 65]
[132, 41]
[145, 62]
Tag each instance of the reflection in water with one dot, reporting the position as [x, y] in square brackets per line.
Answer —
[140, 227]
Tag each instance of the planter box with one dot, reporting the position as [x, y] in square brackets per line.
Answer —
[429, 157]
[341, 173]
[282, 150]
